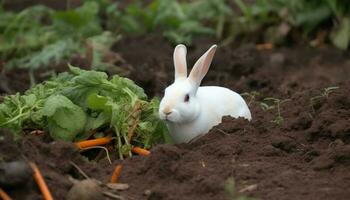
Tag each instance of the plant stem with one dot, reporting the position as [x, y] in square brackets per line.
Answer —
[31, 77]
[15, 118]
[119, 143]
[127, 143]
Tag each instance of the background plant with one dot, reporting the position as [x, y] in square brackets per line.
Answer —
[318, 20]
[324, 95]
[178, 21]
[39, 36]
[272, 103]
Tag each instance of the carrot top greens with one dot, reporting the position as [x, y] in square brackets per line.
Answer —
[75, 105]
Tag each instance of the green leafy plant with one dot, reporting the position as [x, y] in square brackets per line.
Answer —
[276, 103]
[324, 95]
[39, 36]
[178, 21]
[252, 96]
[278, 18]
[74, 106]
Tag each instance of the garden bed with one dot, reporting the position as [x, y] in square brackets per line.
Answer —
[299, 152]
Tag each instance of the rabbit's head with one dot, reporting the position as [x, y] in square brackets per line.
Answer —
[180, 103]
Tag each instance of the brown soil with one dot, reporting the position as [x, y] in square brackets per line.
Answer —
[306, 156]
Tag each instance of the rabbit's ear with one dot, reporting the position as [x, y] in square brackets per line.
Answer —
[201, 67]
[180, 61]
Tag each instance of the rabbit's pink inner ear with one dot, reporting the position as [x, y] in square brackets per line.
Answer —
[180, 61]
[202, 65]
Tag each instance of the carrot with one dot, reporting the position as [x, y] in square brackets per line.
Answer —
[265, 46]
[4, 195]
[140, 151]
[41, 182]
[116, 174]
[93, 142]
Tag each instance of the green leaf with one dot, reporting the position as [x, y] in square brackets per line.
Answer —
[29, 100]
[39, 36]
[244, 8]
[127, 83]
[92, 124]
[101, 45]
[87, 77]
[59, 133]
[95, 123]
[317, 15]
[63, 114]
[52, 53]
[341, 36]
[97, 102]
[82, 20]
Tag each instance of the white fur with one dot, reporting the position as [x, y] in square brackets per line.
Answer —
[206, 106]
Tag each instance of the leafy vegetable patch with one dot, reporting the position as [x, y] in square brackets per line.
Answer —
[79, 104]
[39, 36]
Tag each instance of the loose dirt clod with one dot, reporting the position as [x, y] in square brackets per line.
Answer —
[14, 174]
[87, 189]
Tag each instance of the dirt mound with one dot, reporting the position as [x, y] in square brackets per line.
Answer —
[305, 157]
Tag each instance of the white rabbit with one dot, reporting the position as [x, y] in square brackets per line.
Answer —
[191, 111]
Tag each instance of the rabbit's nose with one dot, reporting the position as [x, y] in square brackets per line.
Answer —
[168, 112]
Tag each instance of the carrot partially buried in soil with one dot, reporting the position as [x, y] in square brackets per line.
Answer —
[93, 142]
[116, 174]
[41, 182]
[140, 151]
[265, 46]
[4, 195]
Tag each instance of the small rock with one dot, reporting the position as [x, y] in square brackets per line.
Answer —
[14, 173]
[277, 59]
[147, 192]
[86, 189]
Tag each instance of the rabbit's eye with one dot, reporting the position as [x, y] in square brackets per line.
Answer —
[187, 98]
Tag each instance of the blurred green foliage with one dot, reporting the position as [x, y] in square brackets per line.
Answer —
[178, 21]
[278, 18]
[39, 36]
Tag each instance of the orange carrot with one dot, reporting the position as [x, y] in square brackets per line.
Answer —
[116, 174]
[265, 46]
[4, 195]
[140, 151]
[41, 182]
[93, 142]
